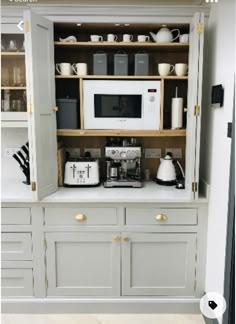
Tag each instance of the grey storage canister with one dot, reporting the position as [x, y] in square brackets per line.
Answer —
[141, 65]
[100, 64]
[121, 64]
[67, 115]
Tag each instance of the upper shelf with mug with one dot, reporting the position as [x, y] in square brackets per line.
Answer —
[152, 36]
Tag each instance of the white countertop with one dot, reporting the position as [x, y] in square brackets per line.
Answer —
[13, 192]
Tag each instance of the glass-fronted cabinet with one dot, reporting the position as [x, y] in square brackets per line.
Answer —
[13, 77]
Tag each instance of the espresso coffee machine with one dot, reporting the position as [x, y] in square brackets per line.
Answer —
[123, 166]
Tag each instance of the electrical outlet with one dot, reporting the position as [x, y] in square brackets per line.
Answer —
[95, 152]
[9, 151]
[152, 153]
[73, 152]
[176, 152]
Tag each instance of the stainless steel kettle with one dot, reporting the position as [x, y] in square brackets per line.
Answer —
[166, 173]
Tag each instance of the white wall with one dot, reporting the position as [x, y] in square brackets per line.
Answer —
[215, 152]
[12, 138]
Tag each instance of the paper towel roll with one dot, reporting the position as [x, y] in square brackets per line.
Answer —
[177, 113]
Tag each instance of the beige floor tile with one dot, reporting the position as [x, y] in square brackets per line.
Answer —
[102, 319]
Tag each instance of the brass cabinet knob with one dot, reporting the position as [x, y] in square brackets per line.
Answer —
[55, 109]
[116, 238]
[80, 217]
[161, 217]
[125, 238]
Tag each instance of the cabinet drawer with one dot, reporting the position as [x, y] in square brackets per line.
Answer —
[16, 246]
[80, 216]
[17, 282]
[161, 216]
[16, 216]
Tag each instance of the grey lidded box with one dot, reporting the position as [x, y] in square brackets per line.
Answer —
[100, 64]
[120, 64]
[67, 115]
[141, 65]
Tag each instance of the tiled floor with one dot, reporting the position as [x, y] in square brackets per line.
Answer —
[102, 319]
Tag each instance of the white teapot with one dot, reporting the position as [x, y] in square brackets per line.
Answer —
[165, 35]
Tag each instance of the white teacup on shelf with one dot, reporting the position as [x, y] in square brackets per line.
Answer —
[127, 38]
[184, 38]
[96, 38]
[112, 38]
[165, 69]
[12, 46]
[80, 68]
[64, 68]
[143, 38]
[181, 69]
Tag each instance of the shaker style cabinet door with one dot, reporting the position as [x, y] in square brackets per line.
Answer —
[158, 264]
[39, 54]
[83, 264]
[196, 37]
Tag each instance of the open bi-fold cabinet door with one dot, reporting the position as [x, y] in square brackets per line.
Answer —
[196, 38]
[39, 55]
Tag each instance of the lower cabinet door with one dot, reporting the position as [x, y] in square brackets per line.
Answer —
[156, 264]
[16, 282]
[83, 264]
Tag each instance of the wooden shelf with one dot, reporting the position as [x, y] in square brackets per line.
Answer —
[13, 88]
[12, 53]
[151, 77]
[112, 132]
[169, 46]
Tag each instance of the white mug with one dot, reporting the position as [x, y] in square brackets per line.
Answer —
[96, 38]
[183, 38]
[80, 68]
[127, 38]
[112, 38]
[181, 69]
[64, 68]
[165, 69]
[143, 38]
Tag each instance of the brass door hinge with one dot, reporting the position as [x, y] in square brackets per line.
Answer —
[196, 110]
[200, 28]
[46, 283]
[45, 245]
[33, 186]
[30, 108]
[194, 186]
[26, 26]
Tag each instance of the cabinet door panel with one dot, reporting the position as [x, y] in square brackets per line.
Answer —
[158, 264]
[82, 264]
[16, 282]
[39, 54]
[194, 98]
[16, 246]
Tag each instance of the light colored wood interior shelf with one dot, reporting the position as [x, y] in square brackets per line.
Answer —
[168, 46]
[112, 132]
[12, 53]
[13, 88]
[158, 77]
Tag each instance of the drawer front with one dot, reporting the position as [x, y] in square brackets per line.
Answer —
[16, 216]
[81, 216]
[17, 282]
[16, 246]
[161, 216]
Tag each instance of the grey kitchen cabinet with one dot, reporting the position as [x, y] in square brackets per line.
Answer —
[158, 264]
[16, 282]
[16, 253]
[83, 264]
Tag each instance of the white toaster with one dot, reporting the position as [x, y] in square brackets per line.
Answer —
[81, 172]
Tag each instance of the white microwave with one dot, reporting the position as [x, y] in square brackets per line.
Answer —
[120, 104]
